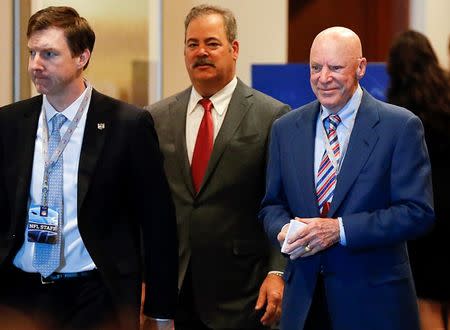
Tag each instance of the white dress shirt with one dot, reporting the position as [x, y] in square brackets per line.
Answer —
[195, 111]
[344, 130]
[76, 257]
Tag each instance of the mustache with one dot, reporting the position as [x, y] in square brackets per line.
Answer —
[202, 61]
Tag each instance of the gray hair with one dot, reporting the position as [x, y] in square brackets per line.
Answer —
[229, 21]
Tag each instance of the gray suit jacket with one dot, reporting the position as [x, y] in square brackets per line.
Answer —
[219, 233]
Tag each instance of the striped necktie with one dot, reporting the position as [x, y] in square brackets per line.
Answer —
[326, 176]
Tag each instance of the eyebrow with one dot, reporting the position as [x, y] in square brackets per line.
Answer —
[42, 48]
[206, 40]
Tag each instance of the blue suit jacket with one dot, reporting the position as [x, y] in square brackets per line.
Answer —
[384, 197]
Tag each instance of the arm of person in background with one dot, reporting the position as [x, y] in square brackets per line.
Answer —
[159, 233]
[271, 290]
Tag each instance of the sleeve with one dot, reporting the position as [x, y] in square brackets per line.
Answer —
[158, 222]
[410, 213]
[274, 208]
[6, 223]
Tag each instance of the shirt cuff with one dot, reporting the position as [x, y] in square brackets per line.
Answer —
[342, 238]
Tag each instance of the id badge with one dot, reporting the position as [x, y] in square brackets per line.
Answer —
[42, 225]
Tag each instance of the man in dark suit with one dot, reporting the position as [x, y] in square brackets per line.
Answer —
[355, 172]
[84, 169]
[225, 258]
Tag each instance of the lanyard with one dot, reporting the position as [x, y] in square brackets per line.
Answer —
[343, 148]
[50, 160]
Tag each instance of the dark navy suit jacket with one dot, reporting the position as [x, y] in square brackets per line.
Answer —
[384, 197]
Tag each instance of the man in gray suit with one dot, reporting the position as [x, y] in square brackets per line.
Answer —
[214, 137]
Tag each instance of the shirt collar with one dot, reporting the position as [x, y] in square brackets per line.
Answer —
[348, 112]
[68, 112]
[218, 99]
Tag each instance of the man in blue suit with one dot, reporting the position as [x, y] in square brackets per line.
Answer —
[367, 165]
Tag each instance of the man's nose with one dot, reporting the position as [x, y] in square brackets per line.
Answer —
[202, 51]
[324, 75]
[35, 62]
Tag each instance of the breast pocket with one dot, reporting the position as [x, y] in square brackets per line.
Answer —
[247, 139]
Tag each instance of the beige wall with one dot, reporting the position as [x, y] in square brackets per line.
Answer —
[262, 33]
[431, 17]
[262, 28]
[6, 51]
[121, 46]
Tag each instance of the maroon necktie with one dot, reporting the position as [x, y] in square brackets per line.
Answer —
[203, 145]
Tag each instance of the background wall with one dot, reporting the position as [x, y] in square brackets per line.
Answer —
[123, 28]
[431, 17]
[262, 33]
[376, 22]
[6, 58]
[119, 61]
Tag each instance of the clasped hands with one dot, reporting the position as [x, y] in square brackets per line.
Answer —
[317, 235]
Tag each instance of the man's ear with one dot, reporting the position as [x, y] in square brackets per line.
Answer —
[361, 69]
[83, 58]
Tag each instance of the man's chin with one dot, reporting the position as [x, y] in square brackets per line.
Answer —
[40, 89]
[327, 100]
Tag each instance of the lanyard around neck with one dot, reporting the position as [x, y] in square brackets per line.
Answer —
[342, 146]
[50, 160]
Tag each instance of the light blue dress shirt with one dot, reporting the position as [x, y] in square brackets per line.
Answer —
[76, 257]
[344, 130]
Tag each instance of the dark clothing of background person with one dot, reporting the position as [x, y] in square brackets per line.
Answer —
[418, 82]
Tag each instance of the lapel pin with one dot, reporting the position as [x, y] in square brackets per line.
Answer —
[101, 126]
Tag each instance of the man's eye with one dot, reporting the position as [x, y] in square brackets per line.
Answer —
[315, 68]
[335, 67]
[32, 53]
[213, 44]
[191, 45]
[49, 54]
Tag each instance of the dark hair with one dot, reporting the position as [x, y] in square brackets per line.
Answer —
[417, 81]
[229, 21]
[77, 31]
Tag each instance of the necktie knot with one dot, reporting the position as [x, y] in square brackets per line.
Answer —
[334, 121]
[206, 104]
[58, 120]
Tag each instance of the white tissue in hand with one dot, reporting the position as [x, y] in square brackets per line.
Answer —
[294, 227]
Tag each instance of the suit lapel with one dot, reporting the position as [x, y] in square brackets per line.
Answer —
[178, 118]
[26, 141]
[303, 157]
[93, 141]
[362, 141]
[239, 104]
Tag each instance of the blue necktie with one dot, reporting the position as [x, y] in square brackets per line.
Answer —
[47, 257]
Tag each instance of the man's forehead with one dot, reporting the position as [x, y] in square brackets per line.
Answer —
[334, 50]
[47, 39]
[205, 22]
[47, 33]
